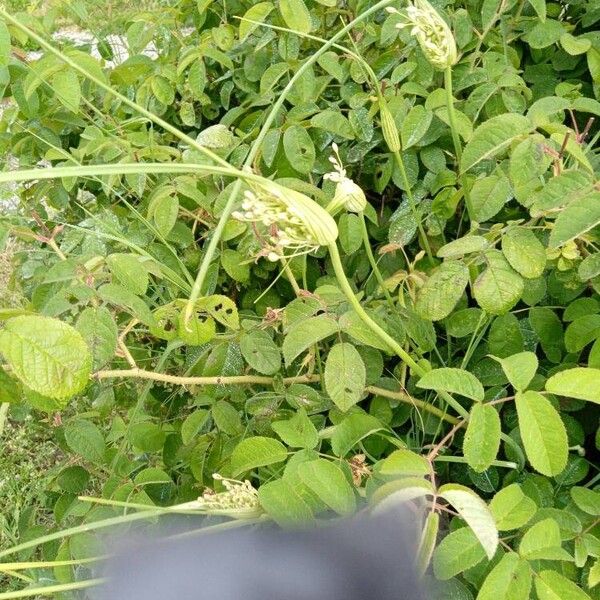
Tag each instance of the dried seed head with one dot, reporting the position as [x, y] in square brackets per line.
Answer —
[239, 498]
[432, 33]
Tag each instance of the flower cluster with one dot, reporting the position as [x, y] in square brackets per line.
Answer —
[239, 497]
[292, 223]
[347, 193]
[432, 33]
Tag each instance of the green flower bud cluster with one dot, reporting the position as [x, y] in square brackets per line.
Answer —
[432, 33]
[292, 222]
[348, 194]
[239, 498]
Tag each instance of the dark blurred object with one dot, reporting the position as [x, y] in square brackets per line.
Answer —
[355, 559]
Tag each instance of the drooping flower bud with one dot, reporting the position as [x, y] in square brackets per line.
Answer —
[348, 194]
[291, 221]
[432, 33]
[388, 127]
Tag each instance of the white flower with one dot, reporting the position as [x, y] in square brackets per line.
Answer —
[348, 194]
[239, 498]
[432, 33]
[290, 220]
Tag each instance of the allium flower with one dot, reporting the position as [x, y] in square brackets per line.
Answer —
[347, 193]
[432, 33]
[239, 499]
[291, 222]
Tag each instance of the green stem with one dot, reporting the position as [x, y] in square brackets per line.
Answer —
[413, 204]
[461, 459]
[455, 136]
[45, 590]
[374, 267]
[254, 150]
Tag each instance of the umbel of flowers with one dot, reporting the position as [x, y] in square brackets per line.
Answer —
[287, 222]
[432, 33]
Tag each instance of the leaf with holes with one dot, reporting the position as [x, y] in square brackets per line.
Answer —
[345, 375]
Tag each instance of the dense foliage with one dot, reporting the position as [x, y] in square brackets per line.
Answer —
[342, 254]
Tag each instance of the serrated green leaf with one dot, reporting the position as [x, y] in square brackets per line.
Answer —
[427, 542]
[458, 551]
[345, 375]
[415, 125]
[99, 330]
[258, 13]
[296, 15]
[304, 334]
[404, 462]
[283, 503]
[524, 252]
[299, 148]
[129, 272]
[587, 500]
[257, 451]
[84, 438]
[328, 482]
[475, 512]
[67, 89]
[578, 382]
[542, 541]
[260, 352]
[165, 214]
[492, 137]
[462, 246]
[482, 438]
[47, 355]
[498, 288]
[442, 290]
[519, 369]
[489, 195]
[543, 433]
[551, 585]
[510, 579]
[351, 430]
[298, 431]
[511, 508]
[454, 381]
[575, 219]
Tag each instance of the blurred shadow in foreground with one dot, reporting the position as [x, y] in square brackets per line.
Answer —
[369, 558]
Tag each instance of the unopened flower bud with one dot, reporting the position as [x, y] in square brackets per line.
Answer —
[388, 127]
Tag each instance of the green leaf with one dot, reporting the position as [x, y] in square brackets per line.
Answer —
[5, 46]
[401, 490]
[221, 308]
[524, 252]
[192, 425]
[258, 12]
[510, 579]
[462, 246]
[235, 265]
[334, 122]
[123, 298]
[551, 585]
[405, 463]
[47, 355]
[493, 136]
[67, 89]
[575, 45]
[255, 452]
[543, 433]
[147, 437]
[442, 290]
[511, 508]
[345, 375]
[575, 219]
[283, 503]
[10, 389]
[328, 482]
[99, 330]
[587, 500]
[519, 369]
[578, 382]
[415, 125]
[129, 272]
[162, 90]
[261, 352]
[540, 8]
[427, 542]
[489, 195]
[298, 431]
[482, 438]
[542, 541]
[498, 288]
[458, 551]
[351, 430]
[454, 381]
[165, 214]
[304, 334]
[299, 148]
[296, 15]
[84, 438]
[475, 512]
[216, 137]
